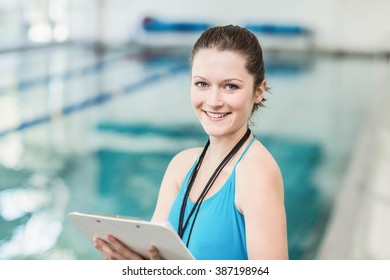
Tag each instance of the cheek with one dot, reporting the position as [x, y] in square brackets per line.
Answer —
[241, 104]
[196, 99]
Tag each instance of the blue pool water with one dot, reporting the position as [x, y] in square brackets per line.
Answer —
[94, 133]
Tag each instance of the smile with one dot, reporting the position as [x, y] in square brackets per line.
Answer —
[216, 115]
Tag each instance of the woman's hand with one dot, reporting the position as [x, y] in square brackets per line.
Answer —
[116, 250]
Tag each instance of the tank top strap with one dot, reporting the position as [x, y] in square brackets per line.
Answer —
[244, 152]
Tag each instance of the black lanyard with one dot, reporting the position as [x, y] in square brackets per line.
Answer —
[196, 207]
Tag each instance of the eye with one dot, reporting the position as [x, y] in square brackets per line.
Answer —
[201, 84]
[231, 87]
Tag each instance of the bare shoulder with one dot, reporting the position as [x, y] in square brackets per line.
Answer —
[258, 173]
[186, 158]
[259, 162]
[173, 179]
[181, 163]
[187, 155]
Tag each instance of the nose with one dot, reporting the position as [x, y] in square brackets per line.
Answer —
[214, 98]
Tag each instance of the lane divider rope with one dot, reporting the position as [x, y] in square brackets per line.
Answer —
[100, 65]
[97, 99]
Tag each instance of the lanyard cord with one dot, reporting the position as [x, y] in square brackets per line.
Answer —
[208, 186]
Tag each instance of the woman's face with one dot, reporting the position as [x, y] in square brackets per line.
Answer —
[222, 92]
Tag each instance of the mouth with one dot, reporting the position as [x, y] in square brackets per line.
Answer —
[215, 115]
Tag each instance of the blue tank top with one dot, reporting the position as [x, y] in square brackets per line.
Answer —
[219, 230]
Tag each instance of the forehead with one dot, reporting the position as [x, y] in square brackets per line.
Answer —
[213, 61]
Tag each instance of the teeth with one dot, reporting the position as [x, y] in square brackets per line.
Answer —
[214, 115]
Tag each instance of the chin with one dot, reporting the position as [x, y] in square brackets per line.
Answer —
[215, 131]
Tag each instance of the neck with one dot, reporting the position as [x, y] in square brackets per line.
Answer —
[221, 146]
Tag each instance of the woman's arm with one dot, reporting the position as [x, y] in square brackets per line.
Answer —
[260, 197]
[171, 183]
[114, 249]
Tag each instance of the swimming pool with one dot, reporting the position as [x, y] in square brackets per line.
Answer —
[88, 132]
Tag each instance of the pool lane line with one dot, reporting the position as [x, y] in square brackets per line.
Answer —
[80, 72]
[98, 99]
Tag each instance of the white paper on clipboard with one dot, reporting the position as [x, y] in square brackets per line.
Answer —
[135, 233]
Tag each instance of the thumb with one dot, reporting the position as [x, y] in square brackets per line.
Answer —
[154, 254]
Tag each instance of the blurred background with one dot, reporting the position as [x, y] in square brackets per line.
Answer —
[94, 102]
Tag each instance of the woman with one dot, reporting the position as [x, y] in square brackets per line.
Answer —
[226, 200]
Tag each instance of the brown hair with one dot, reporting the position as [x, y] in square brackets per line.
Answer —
[239, 40]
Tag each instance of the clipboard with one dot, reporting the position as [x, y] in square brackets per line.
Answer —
[137, 234]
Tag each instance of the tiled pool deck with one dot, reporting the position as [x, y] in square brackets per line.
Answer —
[360, 226]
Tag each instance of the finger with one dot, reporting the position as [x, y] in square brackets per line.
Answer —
[154, 254]
[104, 248]
[121, 251]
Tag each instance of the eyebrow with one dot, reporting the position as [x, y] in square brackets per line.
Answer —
[225, 81]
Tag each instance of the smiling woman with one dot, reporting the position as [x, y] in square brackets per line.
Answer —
[226, 200]
[222, 90]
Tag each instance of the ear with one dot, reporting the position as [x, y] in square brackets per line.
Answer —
[260, 90]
